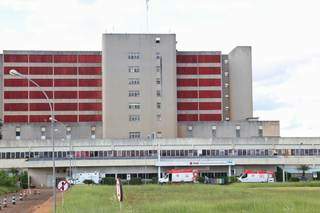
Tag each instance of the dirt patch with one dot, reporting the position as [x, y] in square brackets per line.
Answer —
[28, 203]
[46, 207]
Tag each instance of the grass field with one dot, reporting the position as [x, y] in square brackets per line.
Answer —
[276, 197]
[4, 189]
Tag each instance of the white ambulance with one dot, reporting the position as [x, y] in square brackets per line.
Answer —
[180, 175]
[256, 176]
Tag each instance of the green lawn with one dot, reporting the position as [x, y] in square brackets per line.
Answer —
[276, 197]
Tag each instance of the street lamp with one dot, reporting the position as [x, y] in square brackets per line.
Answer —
[17, 74]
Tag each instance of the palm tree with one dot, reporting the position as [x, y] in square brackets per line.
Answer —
[303, 168]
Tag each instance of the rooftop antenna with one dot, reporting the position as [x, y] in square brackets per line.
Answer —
[147, 15]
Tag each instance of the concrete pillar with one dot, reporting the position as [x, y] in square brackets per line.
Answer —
[283, 175]
[229, 171]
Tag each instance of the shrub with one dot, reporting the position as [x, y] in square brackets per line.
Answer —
[294, 179]
[88, 181]
[154, 180]
[232, 179]
[23, 180]
[201, 179]
[135, 181]
[108, 181]
[6, 180]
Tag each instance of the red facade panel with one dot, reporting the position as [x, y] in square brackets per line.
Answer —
[66, 118]
[89, 70]
[187, 70]
[209, 82]
[65, 95]
[42, 83]
[39, 107]
[187, 105]
[40, 71]
[209, 105]
[209, 70]
[15, 95]
[90, 106]
[90, 83]
[65, 82]
[15, 58]
[22, 70]
[187, 82]
[90, 118]
[15, 83]
[90, 58]
[90, 94]
[209, 94]
[210, 117]
[15, 107]
[187, 94]
[65, 59]
[65, 106]
[15, 118]
[40, 58]
[39, 118]
[187, 59]
[39, 95]
[209, 58]
[65, 70]
[188, 117]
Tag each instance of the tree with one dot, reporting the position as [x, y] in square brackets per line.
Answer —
[303, 168]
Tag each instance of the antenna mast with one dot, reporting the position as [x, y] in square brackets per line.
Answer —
[147, 15]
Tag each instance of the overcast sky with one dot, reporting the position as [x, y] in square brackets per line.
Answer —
[284, 35]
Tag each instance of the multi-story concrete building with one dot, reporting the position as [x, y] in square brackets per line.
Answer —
[139, 107]
[144, 88]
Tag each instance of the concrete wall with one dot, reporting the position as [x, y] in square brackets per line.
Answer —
[228, 129]
[33, 132]
[115, 85]
[240, 71]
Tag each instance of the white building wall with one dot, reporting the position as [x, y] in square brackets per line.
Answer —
[116, 48]
[240, 71]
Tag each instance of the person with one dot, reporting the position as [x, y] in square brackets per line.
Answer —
[5, 202]
[206, 179]
[13, 200]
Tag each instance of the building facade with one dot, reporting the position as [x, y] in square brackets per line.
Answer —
[139, 86]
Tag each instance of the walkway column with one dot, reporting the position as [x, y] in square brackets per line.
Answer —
[229, 172]
[283, 175]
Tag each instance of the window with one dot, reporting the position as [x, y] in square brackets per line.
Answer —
[157, 40]
[134, 69]
[133, 55]
[134, 117]
[158, 56]
[18, 133]
[190, 131]
[158, 93]
[226, 74]
[158, 105]
[227, 96]
[93, 132]
[238, 131]
[43, 133]
[134, 135]
[158, 68]
[158, 117]
[133, 81]
[134, 105]
[158, 81]
[134, 93]
[68, 132]
[226, 85]
[260, 131]
[159, 134]
[213, 131]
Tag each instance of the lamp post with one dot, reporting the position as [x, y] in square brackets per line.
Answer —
[17, 74]
[70, 147]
